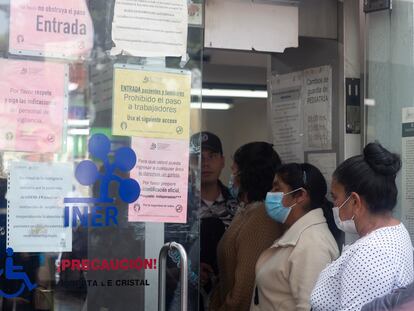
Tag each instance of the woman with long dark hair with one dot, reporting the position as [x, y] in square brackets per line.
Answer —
[251, 230]
[287, 271]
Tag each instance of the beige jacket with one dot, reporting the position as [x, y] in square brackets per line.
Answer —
[250, 233]
[287, 272]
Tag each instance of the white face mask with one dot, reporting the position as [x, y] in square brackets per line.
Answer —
[347, 226]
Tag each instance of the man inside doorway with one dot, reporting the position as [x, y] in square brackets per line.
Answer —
[217, 206]
[214, 195]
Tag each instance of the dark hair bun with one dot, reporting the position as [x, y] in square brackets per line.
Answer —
[381, 160]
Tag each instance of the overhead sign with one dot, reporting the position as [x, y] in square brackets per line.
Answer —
[61, 29]
[377, 5]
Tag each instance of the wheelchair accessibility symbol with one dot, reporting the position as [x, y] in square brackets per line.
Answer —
[13, 272]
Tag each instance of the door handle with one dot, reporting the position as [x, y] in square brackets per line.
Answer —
[162, 291]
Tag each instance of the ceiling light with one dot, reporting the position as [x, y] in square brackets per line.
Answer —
[78, 131]
[212, 106]
[72, 86]
[279, 2]
[76, 122]
[234, 93]
[369, 102]
[230, 93]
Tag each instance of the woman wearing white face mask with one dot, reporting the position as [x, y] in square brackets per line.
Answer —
[287, 272]
[365, 194]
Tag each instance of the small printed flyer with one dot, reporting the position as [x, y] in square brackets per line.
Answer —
[162, 172]
[35, 207]
[33, 98]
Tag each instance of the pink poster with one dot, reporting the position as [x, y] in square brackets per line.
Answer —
[33, 105]
[162, 172]
[61, 29]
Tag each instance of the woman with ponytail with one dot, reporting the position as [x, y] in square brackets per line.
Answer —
[287, 272]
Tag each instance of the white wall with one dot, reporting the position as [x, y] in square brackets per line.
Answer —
[247, 25]
[245, 122]
[390, 64]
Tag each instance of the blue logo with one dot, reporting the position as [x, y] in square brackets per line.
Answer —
[87, 174]
[13, 272]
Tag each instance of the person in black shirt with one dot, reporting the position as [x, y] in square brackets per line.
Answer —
[217, 206]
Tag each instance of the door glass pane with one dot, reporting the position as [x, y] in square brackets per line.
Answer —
[79, 133]
[389, 78]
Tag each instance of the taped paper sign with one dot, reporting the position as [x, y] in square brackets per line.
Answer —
[151, 104]
[286, 116]
[317, 107]
[150, 29]
[33, 97]
[61, 29]
[162, 172]
[35, 207]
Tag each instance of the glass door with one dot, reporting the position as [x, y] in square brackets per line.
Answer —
[389, 96]
[94, 150]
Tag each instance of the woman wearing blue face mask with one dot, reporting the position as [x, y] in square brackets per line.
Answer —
[251, 230]
[381, 260]
[287, 272]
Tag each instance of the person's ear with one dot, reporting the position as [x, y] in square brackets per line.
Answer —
[356, 202]
[302, 196]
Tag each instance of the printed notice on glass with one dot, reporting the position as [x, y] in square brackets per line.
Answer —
[326, 163]
[195, 14]
[150, 28]
[317, 108]
[151, 104]
[33, 98]
[101, 79]
[61, 29]
[162, 172]
[35, 207]
[407, 178]
[286, 118]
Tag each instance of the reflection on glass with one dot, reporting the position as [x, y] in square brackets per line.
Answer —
[93, 276]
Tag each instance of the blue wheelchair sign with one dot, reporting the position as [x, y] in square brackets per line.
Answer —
[13, 272]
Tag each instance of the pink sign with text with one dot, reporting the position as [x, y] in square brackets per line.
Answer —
[61, 29]
[33, 105]
[162, 172]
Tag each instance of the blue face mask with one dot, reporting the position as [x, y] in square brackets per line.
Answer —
[233, 189]
[275, 208]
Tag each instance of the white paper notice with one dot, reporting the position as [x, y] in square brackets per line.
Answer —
[407, 154]
[35, 207]
[326, 163]
[150, 28]
[101, 78]
[317, 108]
[286, 117]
